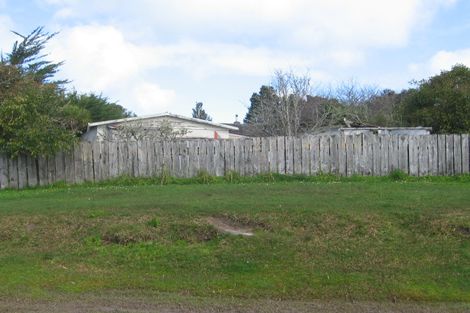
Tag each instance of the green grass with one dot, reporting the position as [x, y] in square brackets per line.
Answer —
[386, 238]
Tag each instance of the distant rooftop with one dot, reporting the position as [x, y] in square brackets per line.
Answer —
[166, 114]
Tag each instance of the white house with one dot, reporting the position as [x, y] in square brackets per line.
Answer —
[188, 126]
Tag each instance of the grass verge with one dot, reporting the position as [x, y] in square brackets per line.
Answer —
[372, 239]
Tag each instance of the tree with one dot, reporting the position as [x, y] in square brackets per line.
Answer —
[26, 55]
[200, 113]
[442, 102]
[277, 109]
[261, 118]
[34, 116]
[99, 107]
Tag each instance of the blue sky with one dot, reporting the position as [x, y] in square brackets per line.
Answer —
[157, 56]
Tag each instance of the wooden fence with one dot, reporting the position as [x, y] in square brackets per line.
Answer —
[342, 155]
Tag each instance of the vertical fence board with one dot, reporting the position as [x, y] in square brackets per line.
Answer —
[51, 169]
[325, 154]
[96, 159]
[465, 154]
[432, 149]
[13, 173]
[218, 158]
[297, 156]
[403, 154]
[441, 155]
[42, 171]
[273, 155]
[3, 171]
[423, 159]
[69, 167]
[393, 149]
[414, 156]
[87, 162]
[357, 154]
[342, 155]
[306, 155]
[457, 154]
[289, 155]
[238, 164]
[59, 167]
[22, 172]
[368, 149]
[158, 152]
[122, 159]
[449, 154]
[281, 155]
[349, 155]
[264, 161]
[78, 163]
[385, 160]
[32, 171]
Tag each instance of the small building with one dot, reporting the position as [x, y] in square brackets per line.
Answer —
[150, 126]
[413, 131]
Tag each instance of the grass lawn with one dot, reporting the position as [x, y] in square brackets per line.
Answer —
[370, 239]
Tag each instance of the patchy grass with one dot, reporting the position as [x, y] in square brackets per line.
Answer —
[396, 238]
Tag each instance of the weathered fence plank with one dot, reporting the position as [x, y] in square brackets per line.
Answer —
[403, 164]
[22, 172]
[3, 171]
[306, 155]
[465, 154]
[457, 154]
[414, 156]
[325, 154]
[450, 154]
[42, 171]
[32, 171]
[423, 158]
[13, 173]
[433, 155]
[289, 155]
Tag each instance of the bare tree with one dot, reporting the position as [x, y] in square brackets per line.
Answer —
[138, 130]
[292, 91]
[277, 109]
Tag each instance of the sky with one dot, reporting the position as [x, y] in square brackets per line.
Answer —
[154, 56]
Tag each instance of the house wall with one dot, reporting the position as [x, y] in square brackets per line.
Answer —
[195, 130]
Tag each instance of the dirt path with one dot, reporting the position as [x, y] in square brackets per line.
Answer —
[225, 227]
[124, 303]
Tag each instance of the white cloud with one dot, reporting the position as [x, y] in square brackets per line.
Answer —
[151, 98]
[116, 46]
[444, 60]
[6, 36]
[304, 23]
[98, 57]
[440, 61]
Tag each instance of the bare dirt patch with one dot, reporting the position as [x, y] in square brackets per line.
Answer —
[127, 303]
[224, 225]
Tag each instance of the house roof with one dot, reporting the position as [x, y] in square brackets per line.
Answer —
[191, 119]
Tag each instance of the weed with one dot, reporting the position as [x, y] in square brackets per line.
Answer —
[232, 177]
[398, 175]
[154, 222]
[203, 177]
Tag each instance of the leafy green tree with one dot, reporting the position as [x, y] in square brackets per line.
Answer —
[35, 117]
[26, 55]
[442, 102]
[99, 107]
[200, 113]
